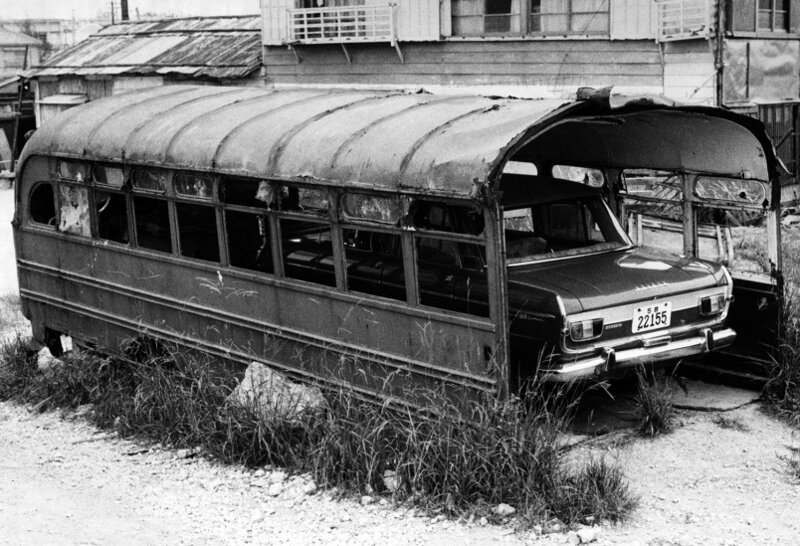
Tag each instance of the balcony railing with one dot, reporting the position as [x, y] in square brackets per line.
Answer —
[684, 19]
[342, 25]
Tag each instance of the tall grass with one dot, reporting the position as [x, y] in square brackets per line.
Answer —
[783, 389]
[455, 458]
[654, 408]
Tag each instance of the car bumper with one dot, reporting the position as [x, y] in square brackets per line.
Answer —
[612, 360]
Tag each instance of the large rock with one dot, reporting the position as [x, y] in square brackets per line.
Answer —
[274, 396]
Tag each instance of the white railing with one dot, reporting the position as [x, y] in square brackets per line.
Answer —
[342, 24]
[684, 19]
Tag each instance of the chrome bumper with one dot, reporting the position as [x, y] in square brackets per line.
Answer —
[612, 360]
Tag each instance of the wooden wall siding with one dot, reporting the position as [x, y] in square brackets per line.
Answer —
[273, 14]
[633, 20]
[689, 71]
[555, 64]
[415, 21]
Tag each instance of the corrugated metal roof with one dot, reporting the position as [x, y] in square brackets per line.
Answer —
[212, 47]
[12, 38]
[445, 145]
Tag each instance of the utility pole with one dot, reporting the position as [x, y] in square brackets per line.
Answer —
[123, 8]
[112, 13]
[719, 56]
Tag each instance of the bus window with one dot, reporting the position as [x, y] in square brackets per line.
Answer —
[308, 251]
[108, 176]
[74, 206]
[451, 275]
[445, 217]
[71, 170]
[152, 223]
[154, 181]
[375, 263]
[191, 185]
[197, 230]
[248, 241]
[42, 205]
[112, 216]
[247, 193]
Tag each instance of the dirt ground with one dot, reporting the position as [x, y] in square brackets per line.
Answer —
[63, 482]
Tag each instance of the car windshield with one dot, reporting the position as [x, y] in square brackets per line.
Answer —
[569, 227]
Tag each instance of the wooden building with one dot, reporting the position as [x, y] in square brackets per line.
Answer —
[692, 50]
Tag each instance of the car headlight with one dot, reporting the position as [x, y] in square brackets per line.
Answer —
[711, 305]
[584, 330]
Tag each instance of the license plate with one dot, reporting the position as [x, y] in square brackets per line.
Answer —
[652, 316]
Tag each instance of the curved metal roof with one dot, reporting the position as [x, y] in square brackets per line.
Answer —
[446, 145]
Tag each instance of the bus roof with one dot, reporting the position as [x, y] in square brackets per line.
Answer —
[442, 145]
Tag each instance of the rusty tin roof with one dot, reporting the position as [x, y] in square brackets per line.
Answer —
[199, 47]
[392, 141]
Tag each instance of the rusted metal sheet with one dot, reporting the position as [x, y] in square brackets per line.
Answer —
[390, 141]
[213, 47]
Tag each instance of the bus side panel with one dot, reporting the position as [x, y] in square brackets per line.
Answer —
[108, 294]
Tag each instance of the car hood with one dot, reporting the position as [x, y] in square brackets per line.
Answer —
[612, 278]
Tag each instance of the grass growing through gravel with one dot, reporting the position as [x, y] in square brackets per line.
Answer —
[654, 408]
[456, 460]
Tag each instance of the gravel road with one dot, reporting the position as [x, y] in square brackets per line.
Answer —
[64, 482]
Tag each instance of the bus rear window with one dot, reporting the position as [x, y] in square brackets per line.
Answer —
[152, 223]
[42, 204]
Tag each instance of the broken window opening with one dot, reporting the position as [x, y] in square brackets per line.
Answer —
[309, 200]
[249, 245]
[307, 251]
[152, 223]
[438, 216]
[74, 210]
[375, 263]
[585, 175]
[41, 207]
[112, 216]
[247, 193]
[197, 231]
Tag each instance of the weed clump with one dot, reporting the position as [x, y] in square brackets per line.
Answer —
[454, 458]
[654, 408]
